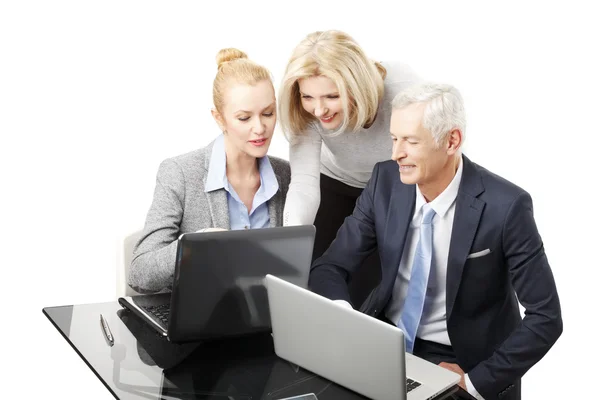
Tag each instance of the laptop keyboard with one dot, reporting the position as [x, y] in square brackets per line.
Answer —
[161, 312]
[410, 385]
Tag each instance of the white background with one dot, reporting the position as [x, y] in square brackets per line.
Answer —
[94, 94]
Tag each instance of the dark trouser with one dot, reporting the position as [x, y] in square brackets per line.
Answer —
[337, 202]
[434, 352]
[437, 353]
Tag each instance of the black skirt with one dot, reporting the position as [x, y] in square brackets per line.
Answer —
[337, 202]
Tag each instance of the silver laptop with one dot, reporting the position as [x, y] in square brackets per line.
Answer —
[348, 347]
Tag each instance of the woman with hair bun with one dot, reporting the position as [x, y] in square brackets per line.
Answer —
[229, 184]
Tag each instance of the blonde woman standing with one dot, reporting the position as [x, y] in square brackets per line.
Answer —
[335, 109]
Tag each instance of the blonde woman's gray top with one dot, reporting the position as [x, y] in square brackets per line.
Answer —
[348, 158]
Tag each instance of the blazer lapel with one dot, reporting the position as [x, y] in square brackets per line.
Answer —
[217, 199]
[219, 210]
[274, 211]
[276, 203]
[401, 209]
[466, 220]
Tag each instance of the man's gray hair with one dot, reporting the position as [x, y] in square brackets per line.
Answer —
[444, 109]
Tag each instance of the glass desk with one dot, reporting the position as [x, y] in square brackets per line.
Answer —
[142, 365]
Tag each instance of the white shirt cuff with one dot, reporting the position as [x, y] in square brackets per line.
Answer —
[343, 303]
[471, 389]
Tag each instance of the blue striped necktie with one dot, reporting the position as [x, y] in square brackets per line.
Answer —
[417, 287]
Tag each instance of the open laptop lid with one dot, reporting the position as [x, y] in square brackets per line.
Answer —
[218, 286]
[348, 347]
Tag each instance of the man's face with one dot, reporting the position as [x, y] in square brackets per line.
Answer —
[420, 160]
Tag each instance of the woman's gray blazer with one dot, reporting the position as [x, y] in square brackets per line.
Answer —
[180, 205]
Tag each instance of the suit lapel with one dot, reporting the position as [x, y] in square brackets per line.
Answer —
[277, 202]
[274, 211]
[219, 212]
[466, 221]
[401, 209]
[217, 199]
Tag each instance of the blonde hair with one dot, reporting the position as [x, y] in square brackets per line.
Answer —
[234, 66]
[337, 56]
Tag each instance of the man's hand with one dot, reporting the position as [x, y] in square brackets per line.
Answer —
[458, 370]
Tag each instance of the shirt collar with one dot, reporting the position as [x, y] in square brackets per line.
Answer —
[268, 181]
[217, 172]
[444, 201]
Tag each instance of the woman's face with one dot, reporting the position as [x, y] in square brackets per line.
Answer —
[320, 97]
[248, 117]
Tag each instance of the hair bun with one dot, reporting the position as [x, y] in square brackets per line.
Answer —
[229, 54]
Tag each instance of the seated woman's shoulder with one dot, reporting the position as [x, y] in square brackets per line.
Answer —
[191, 158]
[281, 168]
[279, 163]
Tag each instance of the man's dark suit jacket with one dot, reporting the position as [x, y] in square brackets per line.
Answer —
[491, 341]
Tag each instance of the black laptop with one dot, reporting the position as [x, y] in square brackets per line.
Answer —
[218, 285]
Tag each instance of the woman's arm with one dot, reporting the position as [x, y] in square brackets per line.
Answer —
[154, 254]
[304, 194]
